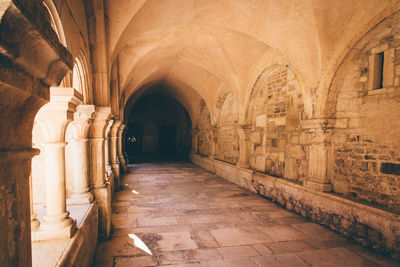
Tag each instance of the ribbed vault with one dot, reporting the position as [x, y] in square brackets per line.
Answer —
[204, 45]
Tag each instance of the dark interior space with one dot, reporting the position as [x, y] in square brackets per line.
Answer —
[159, 128]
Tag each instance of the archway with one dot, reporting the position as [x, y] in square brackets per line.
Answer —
[159, 127]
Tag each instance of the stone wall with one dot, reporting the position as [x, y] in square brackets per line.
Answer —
[366, 161]
[227, 145]
[274, 111]
[204, 131]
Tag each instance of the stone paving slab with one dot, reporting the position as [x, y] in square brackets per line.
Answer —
[185, 216]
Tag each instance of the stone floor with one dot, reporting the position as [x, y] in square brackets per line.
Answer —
[177, 214]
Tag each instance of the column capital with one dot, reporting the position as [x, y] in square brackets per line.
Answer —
[56, 114]
[82, 120]
[100, 122]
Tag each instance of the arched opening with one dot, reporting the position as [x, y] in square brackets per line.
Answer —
[159, 127]
[80, 77]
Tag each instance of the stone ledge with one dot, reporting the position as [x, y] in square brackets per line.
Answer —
[367, 225]
[78, 250]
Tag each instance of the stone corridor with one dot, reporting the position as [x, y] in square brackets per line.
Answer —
[177, 214]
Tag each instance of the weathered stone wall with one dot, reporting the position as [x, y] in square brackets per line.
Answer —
[274, 111]
[366, 141]
[227, 146]
[203, 135]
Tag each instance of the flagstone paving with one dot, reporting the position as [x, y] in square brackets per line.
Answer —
[177, 214]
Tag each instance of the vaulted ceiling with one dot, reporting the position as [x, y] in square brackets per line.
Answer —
[199, 47]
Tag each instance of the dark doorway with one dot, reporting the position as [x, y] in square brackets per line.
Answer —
[161, 127]
[134, 139]
[167, 140]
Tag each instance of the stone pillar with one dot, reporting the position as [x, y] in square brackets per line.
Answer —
[214, 139]
[101, 188]
[318, 133]
[120, 151]
[244, 134]
[81, 193]
[107, 147]
[114, 154]
[55, 116]
[14, 206]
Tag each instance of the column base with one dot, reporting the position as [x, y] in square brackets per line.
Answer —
[318, 185]
[80, 198]
[47, 232]
[103, 199]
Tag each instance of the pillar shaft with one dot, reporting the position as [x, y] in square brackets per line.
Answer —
[14, 205]
[107, 147]
[101, 188]
[244, 134]
[114, 153]
[319, 149]
[120, 150]
[55, 181]
[80, 156]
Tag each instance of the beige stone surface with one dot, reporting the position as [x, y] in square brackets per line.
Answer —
[185, 228]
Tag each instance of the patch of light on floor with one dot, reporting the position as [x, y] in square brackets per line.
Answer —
[135, 192]
[140, 244]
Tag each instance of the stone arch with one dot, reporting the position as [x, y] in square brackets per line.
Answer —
[55, 21]
[227, 145]
[272, 117]
[80, 77]
[365, 136]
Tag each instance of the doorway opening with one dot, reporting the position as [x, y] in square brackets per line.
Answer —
[159, 128]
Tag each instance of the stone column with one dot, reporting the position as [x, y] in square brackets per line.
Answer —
[14, 205]
[81, 193]
[120, 152]
[244, 134]
[114, 154]
[214, 139]
[101, 188]
[55, 116]
[107, 147]
[318, 132]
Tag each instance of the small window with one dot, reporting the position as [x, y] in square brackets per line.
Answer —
[377, 78]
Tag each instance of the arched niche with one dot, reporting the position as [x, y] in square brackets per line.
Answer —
[80, 77]
[274, 112]
[227, 146]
